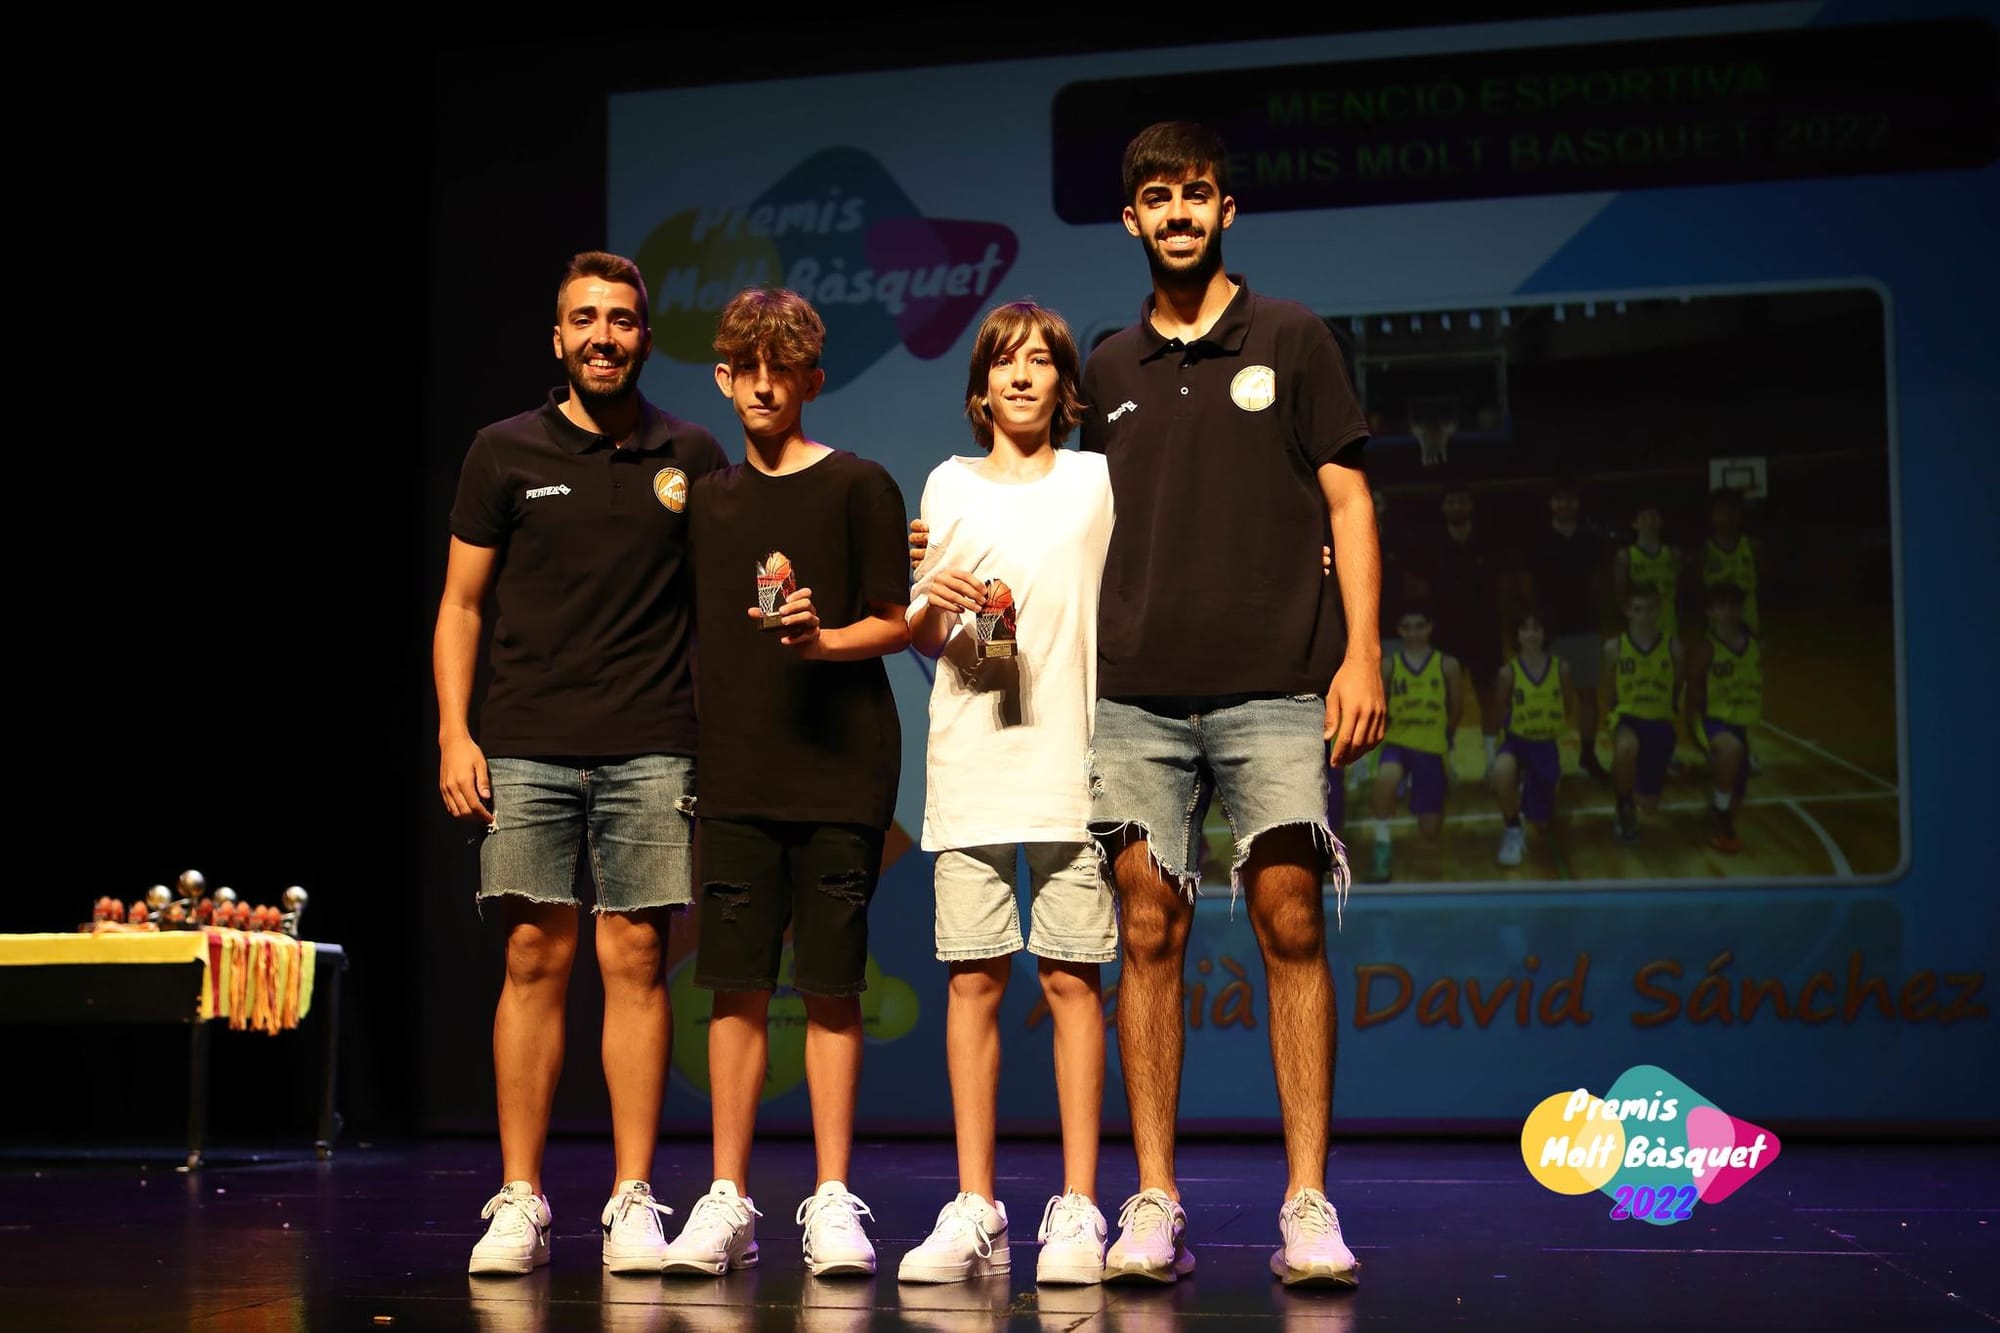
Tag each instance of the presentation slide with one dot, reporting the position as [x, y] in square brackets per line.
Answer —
[1713, 288]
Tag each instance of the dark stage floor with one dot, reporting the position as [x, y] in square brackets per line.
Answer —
[1450, 1234]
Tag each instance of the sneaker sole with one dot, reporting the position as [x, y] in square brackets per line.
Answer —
[938, 1273]
[633, 1263]
[1068, 1275]
[508, 1266]
[1182, 1265]
[1314, 1275]
[842, 1268]
[705, 1267]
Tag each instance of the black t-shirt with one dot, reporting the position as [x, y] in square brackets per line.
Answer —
[782, 738]
[1213, 585]
[1563, 569]
[590, 648]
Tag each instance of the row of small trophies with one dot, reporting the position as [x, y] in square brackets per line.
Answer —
[194, 907]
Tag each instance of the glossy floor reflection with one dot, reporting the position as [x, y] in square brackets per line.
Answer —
[1450, 1234]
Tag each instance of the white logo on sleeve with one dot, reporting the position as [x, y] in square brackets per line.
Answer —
[1254, 388]
[540, 491]
[1127, 406]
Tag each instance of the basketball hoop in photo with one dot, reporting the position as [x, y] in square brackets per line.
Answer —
[1433, 420]
[1745, 476]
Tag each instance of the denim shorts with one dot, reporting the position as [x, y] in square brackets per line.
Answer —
[1070, 914]
[1154, 762]
[634, 816]
[760, 878]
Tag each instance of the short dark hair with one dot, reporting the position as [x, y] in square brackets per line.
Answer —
[612, 268]
[1174, 150]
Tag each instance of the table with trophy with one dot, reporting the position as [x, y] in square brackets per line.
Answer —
[186, 955]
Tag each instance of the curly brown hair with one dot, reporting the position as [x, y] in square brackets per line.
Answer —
[774, 322]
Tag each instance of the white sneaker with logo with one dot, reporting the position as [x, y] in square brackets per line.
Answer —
[1513, 843]
[517, 1234]
[834, 1240]
[1072, 1236]
[1314, 1254]
[1150, 1245]
[969, 1240]
[720, 1235]
[634, 1241]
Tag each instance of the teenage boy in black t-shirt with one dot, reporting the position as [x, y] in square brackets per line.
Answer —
[800, 727]
[574, 517]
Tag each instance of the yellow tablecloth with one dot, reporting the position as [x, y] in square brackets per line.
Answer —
[254, 979]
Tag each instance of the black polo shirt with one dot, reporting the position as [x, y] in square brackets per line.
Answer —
[590, 649]
[1212, 585]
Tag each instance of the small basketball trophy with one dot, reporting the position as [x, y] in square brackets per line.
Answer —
[775, 586]
[995, 621]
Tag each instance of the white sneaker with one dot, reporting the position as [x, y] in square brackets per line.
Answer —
[720, 1234]
[517, 1240]
[1072, 1237]
[969, 1240]
[1150, 1243]
[1513, 842]
[1313, 1253]
[633, 1239]
[834, 1240]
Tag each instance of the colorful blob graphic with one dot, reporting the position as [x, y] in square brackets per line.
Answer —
[841, 232]
[1651, 1143]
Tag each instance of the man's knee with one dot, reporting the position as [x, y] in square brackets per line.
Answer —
[539, 951]
[631, 950]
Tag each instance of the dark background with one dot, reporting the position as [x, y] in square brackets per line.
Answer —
[291, 274]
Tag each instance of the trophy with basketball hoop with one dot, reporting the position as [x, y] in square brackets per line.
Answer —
[994, 622]
[775, 585]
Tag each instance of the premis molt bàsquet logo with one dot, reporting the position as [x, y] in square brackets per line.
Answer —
[838, 230]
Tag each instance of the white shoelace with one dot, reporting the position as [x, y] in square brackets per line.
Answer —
[637, 1197]
[735, 1209]
[1312, 1214]
[1153, 1201]
[519, 1217]
[1067, 1218]
[847, 1214]
[962, 1213]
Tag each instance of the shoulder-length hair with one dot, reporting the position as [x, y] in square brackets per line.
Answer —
[1005, 329]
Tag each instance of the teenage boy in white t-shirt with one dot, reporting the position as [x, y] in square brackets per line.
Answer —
[1006, 769]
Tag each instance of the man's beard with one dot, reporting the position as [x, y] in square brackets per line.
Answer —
[586, 388]
[1188, 276]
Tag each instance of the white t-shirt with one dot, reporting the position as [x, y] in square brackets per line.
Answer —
[1008, 765]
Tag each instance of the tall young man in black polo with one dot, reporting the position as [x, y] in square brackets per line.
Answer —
[1227, 416]
[575, 516]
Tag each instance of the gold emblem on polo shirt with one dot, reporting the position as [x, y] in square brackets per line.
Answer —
[1254, 388]
[670, 487]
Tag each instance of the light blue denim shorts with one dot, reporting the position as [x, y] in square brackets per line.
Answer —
[1071, 917]
[635, 818]
[1154, 763]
